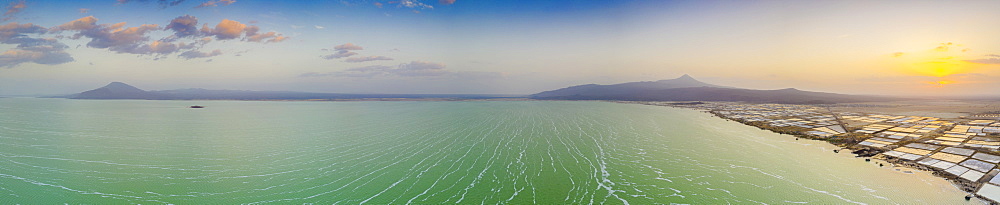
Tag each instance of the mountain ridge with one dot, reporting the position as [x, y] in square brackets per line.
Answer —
[686, 88]
[119, 90]
[629, 87]
[114, 90]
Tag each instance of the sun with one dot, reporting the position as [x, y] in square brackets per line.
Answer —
[941, 83]
[945, 60]
[939, 67]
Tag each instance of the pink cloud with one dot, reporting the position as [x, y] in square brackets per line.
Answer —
[14, 8]
[348, 46]
[367, 58]
[198, 54]
[215, 3]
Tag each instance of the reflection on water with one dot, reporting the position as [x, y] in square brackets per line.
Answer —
[81, 151]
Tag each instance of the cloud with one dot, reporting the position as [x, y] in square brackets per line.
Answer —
[348, 46]
[420, 68]
[319, 27]
[159, 47]
[47, 51]
[15, 30]
[264, 37]
[411, 69]
[898, 54]
[186, 37]
[944, 47]
[366, 58]
[971, 76]
[198, 54]
[171, 3]
[339, 54]
[115, 37]
[411, 4]
[312, 74]
[228, 29]
[163, 3]
[378, 4]
[14, 57]
[84, 23]
[183, 26]
[14, 8]
[277, 39]
[446, 2]
[343, 50]
[367, 71]
[118, 38]
[993, 59]
[215, 3]
[362, 72]
[84, 10]
[142, 48]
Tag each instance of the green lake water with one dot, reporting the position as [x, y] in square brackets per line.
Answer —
[55, 151]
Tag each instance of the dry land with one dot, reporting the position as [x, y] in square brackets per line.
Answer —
[955, 109]
[957, 140]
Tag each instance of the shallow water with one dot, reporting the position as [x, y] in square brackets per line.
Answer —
[134, 151]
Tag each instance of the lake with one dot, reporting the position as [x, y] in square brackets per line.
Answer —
[517, 152]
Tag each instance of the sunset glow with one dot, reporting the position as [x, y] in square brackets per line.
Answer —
[944, 60]
[941, 83]
[498, 47]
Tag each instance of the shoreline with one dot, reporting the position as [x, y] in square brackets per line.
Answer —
[860, 151]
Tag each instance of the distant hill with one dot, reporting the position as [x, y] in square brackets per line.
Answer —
[118, 90]
[687, 88]
[684, 88]
[631, 88]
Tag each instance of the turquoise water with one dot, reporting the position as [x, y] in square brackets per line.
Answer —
[134, 151]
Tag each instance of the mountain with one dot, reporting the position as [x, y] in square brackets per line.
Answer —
[687, 88]
[118, 90]
[632, 88]
[115, 90]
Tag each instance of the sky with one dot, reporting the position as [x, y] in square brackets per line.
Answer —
[914, 48]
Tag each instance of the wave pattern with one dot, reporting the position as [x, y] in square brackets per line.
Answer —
[392, 153]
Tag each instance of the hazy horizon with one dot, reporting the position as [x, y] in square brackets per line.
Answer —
[900, 48]
[902, 97]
